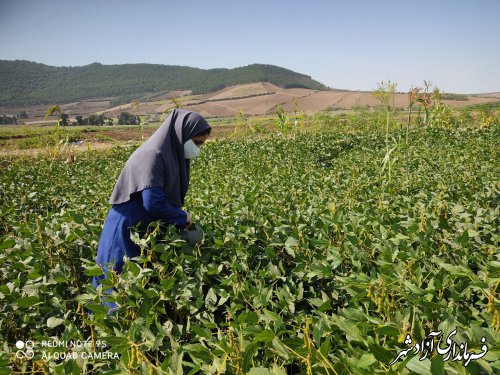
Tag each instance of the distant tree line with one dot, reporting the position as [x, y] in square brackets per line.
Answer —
[25, 82]
[450, 96]
[126, 118]
[93, 120]
[6, 119]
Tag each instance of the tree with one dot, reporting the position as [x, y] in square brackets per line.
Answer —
[123, 118]
[8, 119]
[63, 120]
[176, 102]
[126, 118]
[99, 120]
[91, 120]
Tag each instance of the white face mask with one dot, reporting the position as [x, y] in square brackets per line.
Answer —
[191, 150]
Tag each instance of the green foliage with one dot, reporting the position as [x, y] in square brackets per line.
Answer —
[385, 94]
[29, 136]
[126, 118]
[5, 119]
[93, 120]
[176, 102]
[25, 82]
[486, 106]
[282, 120]
[310, 263]
[487, 118]
[64, 119]
[299, 116]
[441, 116]
[465, 117]
[451, 96]
[46, 140]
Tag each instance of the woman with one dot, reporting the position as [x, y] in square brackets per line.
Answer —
[151, 186]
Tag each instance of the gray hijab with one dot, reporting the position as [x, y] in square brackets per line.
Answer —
[159, 162]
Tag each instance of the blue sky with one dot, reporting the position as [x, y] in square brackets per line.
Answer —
[345, 44]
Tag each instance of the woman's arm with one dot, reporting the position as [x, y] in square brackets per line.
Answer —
[154, 202]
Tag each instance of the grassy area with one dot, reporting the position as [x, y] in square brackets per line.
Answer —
[361, 119]
[493, 106]
[13, 131]
[39, 136]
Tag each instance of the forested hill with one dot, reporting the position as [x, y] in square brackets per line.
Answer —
[24, 82]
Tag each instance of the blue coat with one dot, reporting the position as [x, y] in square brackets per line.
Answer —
[143, 207]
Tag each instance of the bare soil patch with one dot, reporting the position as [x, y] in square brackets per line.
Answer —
[253, 99]
[243, 90]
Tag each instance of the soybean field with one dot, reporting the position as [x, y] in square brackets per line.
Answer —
[324, 253]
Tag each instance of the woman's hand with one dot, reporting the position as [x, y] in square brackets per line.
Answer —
[189, 221]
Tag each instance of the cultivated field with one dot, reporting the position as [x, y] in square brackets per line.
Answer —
[330, 241]
[252, 99]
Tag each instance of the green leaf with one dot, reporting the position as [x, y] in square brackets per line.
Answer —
[413, 288]
[456, 270]
[437, 365]
[248, 355]
[167, 284]
[472, 233]
[198, 352]
[419, 367]
[399, 238]
[380, 353]
[52, 110]
[290, 244]
[274, 270]
[248, 317]
[274, 370]
[388, 330]
[97, 309]
[280, 348]
[265, 335]
[134, 268]
[116, 341]
[54, 322]
[7, 243]
[93, 271]
[27, 301]
[366, 361]
[260, 371]
[85, 297]
[457, 209]
[352, 331]
[211, 298]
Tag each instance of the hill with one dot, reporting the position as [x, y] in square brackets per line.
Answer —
[30, 83]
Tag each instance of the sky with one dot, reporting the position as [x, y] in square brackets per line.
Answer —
[352, 45]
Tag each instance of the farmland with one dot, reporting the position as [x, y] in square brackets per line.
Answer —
[256, 99]
[325, 246]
